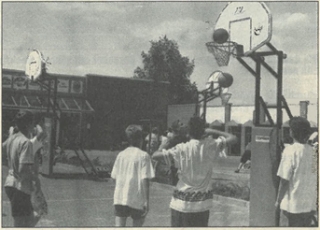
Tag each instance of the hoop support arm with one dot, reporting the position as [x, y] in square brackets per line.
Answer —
[265, 109]
[247, 66]
[286, 107]
[265, 65]
[272, 47]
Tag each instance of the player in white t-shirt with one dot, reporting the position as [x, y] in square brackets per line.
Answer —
[298, 172]
[132, 171]
[192, 197]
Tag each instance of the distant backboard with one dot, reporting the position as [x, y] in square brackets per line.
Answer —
[34, 65]
[249, 24]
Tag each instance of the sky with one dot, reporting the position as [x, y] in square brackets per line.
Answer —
[107, 38]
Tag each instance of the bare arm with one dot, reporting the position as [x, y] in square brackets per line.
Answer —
[40, 133]
[230, 139]
[4, 153]
[283, 187]
[159, 156]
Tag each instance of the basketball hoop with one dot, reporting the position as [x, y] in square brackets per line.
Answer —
[35, 65]
[225, 97]
[222, 52]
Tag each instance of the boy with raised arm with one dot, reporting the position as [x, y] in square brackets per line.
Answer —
[192, 197]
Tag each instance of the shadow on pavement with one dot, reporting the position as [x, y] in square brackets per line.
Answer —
[76, 176]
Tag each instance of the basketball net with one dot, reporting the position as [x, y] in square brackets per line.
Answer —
[221, 52]
[225, 97]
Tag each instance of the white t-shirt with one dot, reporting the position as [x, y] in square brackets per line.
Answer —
[130, 168]
[298, 166]
[194, 161]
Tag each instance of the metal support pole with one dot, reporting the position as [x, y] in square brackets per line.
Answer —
[204, 106]
[196, 113]
[279, 121]
[49, 96]
[54, 126]
[279, 90]
[257, 93]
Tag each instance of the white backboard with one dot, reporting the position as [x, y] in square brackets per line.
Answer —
[34, 65]
[249, 24]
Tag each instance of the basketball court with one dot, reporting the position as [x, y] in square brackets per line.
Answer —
[78, 202]
[243, 31]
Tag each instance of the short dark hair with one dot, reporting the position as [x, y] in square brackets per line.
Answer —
[134, 134]
[196, 127]
[300, 128]
[155, 130]
[23, 119]
[176, 125]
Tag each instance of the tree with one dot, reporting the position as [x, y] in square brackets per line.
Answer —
[164, 62]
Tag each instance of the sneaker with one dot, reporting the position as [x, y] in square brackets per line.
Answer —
[237, 171]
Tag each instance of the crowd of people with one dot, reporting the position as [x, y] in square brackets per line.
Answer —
[189, 150]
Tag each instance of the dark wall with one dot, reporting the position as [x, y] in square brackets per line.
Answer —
[119, 102]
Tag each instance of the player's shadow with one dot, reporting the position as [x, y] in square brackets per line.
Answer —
[77, 176]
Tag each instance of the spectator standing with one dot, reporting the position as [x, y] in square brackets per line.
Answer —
[178, 135]
[246, 156]
[153, 141]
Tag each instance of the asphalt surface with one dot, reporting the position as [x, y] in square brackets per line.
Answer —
[75, 200]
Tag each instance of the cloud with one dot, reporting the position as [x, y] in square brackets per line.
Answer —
[182, 29]
[90, 8]
[108, 37]
[291, 21]
[291, 30]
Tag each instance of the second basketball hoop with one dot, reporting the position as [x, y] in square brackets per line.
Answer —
[35, 65]
[219, 83]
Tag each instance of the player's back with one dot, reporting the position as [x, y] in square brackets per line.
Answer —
[130, 168]
[302, 159]
[304, 177]
[130, 161]
[196, 162]
[14, 147]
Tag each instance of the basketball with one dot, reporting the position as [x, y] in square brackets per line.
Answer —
[220, 36]
[225, 80]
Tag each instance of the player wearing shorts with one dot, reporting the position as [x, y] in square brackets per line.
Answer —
[21, 177]
[192, 197]
[132, 171]
[246, 156]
